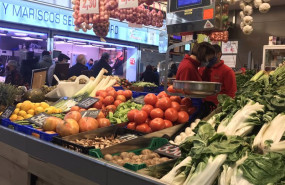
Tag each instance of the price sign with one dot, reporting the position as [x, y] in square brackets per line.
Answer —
[169, 150]
[8, 112]
[90, 113]
[88, 102]
[139, 100]
[89, 6]
[128, 4]
[39, 119]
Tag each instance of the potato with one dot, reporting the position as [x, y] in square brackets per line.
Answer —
[146, 151]
[108, 157]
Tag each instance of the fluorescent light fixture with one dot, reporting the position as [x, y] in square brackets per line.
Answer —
[60, 42]
[21, 34]
[79, 43]
[3, 34]
[26, 38]
[22, 31]
[108, 48]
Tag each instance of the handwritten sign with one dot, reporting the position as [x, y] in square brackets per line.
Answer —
[89, 6]
[8, 112]
[90, 113]
[128, 4]
[169, 150]
[39, 119]
[88, 102]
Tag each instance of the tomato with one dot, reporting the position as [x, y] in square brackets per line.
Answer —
[128, 94]
[103, 122]
[156, 113]
[87, 123]
[109, 100]
[150, 99]
[112, 93]
[175, 105]
[168, 123]
[171, 114]
[104, 94]
[98, 105]
[157, 124]
[148, 121]
[131, 115]
[143, 128]
[183, 108]
[75, 108]
[98, 92]
[75, 115]
[140, 117]
[100, 115]
[147, 108]
[117, 103]
[122, 98]
[148, 129]
[68, 127]
[162, 95]
[120, 92]
[183, 117]
[81, 110]
[100, 98]
[163, 103]
[171, 89]
[187, 102]
[191, 110]
[132, 126]
[111, 108]
[110, 89]
[51, 123]
[175, 98]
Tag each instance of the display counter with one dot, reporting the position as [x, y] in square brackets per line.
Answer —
[27, 160]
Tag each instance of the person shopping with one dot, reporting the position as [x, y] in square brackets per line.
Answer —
[148, 75]
[62, 59]
[79, 67]
[103, 63]
[13, 76]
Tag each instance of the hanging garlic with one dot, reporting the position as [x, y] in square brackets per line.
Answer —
[247, 30]
[242, 25]
[247, 20]
[257, 3]
[241, 14]
[242, 5]
[264, 8]
[247, 10]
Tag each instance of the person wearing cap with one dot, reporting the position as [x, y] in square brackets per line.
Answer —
[62, 59]
[46, 60]
[79, 67]
[13, 76]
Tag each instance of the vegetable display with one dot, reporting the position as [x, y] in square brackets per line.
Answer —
[144, 84]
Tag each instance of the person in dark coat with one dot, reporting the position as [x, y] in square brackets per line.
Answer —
[28, 66]
[118, 66]
[46, 60]
[156, 74]
[13, 76]
[79, 67]
[2, 68]
[173, 71]
[103, 63]
[148, 75]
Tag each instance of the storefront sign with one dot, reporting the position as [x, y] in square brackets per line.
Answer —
[128, 4]
[29, 13]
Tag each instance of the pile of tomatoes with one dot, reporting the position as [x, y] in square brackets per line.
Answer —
[160, 112]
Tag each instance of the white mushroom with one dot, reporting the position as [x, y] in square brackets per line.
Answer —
[247, 30]
[247, 20]
[264, 8]
[247, 10]
[257, 3]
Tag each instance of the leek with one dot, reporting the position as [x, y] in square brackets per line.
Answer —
[97, 81]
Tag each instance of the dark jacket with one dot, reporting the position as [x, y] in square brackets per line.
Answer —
[99, 66]
[14, 78]
[76, 70]
[119, 67]
[45, 62]
[26, 69]
[148, 76]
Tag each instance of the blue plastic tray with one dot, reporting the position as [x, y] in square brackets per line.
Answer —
[118, 88]
[27, 129]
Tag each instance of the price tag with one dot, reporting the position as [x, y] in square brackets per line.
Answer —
[89, 7]
[39, 119]
[88, 102]
[139, 100]
[90, 113]
[128, 4]
[169, 150]
[8, 112]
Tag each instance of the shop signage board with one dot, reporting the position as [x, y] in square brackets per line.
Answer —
[30, 13]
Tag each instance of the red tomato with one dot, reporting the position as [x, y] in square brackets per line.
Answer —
[148, 121]
[103, 122]
[150, 99]
[110, 89]
[171, 114]
[98, 105]
[121, 98]
[100, 115]
[98, 92]
[156, 113]
[175, 105]
[140, 117]
[111, 108]
[120, 92]
[162, 95]
[148, 129]
[112, 93]
[157, 124]
[183, 117]
[81, 110]
[104, 94]
[147, 108]
[191, 110]
[132, 126]
[168, 123]
[109, 100]
[128, 94]
[163, 103]
[75, 108]
[117, 103]
[131, 115]
[100, 98]
[175, 98]
[187, 102]
[143, 128]
[171, 89]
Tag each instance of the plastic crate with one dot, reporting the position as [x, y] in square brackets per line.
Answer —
[27, 129]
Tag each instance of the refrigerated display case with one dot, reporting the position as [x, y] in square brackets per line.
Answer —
[272, 56]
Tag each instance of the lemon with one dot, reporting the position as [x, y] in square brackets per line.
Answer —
[44, 105]
[27, 105]
[20, 118]
[49, 110]
[22, 113]
[37, 105]
[53, 109]
[19, 105]
[31, 112]
[13, 117]
[28, 116]
[39, 110]
[16, 111]
[58, 111]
